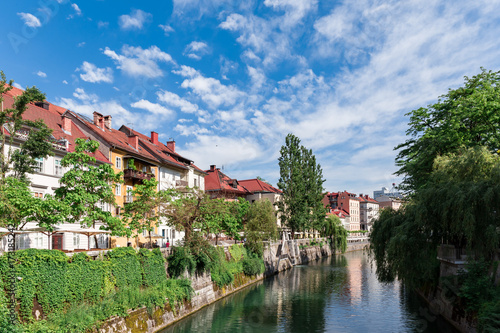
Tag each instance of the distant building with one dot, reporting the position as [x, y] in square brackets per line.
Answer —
[369, 208]
[348, 202]
[389, 202]
[219, 185]
[390, 193]
[262, 191]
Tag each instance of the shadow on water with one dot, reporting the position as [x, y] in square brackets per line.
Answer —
[335, 294]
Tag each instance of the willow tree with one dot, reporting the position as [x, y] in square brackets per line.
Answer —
[301, 180]
[464, 117]
[459, 206]
[333, 229]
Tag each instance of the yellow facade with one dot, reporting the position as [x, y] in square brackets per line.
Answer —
[121, 160]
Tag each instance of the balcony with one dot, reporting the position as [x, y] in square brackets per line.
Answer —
[136, 175]
[181, 183]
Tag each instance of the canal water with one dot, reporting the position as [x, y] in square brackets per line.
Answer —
[335, 294]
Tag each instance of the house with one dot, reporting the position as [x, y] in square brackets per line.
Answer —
[348, 202]
[175, 171]
[219, 185]
[261, 190]
[389, 202]
[369, 209]
[127, 156]
[67, 236]
[390, 193]
[344, 217]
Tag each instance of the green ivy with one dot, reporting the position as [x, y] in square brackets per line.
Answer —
[125, 267]
[152, 267]
[181, 260]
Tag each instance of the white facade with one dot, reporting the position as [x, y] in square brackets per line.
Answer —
[369, 212]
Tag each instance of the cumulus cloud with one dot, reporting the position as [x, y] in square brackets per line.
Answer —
[41, 74]
[136, 61]
[175, 100]
[84, 97]
[134, 21]
[91, 73]
[195, 50]
[152, 107]
[210, 90]
[30, 20]
[166, 29]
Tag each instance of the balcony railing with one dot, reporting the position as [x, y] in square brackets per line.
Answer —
[181, 183]
[137, 175]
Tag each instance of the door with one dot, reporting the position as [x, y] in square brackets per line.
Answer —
[57, 241]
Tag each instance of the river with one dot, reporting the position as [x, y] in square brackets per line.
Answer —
[336, 294]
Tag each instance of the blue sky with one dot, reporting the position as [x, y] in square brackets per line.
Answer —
[228, 81]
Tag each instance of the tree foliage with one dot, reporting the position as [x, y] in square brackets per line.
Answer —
[301, 180]
[334, 230]
[261, 225]
[86, 184]
[37, 144]
[465, 117]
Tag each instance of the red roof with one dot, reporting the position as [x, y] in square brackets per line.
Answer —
[161, 151]
[115, 138]
[16, 92]
[366, 198]
[258, 186]
[215, 180]
[53, 119]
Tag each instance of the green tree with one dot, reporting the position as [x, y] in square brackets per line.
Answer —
[35, 145]
[142, 213]
[467, 116]
[260, 226]
[334, 230]
[301, 181]
[87, 184]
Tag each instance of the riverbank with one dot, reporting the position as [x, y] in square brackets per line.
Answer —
[278, 257]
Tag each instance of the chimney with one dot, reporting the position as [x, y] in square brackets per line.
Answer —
[154, 138]
[212, 168]
[366, 196]
[133, 140]
[97, 116]
[107, 121]
[66, 124]
[361, 195]
[171, 145]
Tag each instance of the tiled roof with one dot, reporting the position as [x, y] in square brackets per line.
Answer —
[115, 138]
[53, 119]
[161, 151]
[257, 185]
[16, 92]
[215, 180]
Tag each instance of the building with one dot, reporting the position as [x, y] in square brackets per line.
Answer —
[390, 193]
[67, 236]
[368, 208]
[219, 185]
[262, 191]
[389, 202]
[175, 171]
[344, 217]
[345, 201]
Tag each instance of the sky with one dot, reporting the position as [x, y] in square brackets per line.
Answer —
[229, 80]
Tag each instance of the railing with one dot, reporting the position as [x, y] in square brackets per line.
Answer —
[137, 175]
[181, 183]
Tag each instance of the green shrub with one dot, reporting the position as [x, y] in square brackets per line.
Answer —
[152, 267]
[253, 266]
[125, 267]
[179, 261]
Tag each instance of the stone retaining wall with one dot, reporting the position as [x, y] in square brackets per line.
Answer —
[277, 258]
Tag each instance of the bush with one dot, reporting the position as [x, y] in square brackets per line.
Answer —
[253, 266]
[181, 260]
[152, 267]
[125, 267]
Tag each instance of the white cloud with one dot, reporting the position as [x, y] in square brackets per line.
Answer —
[102, 24]
[152, 107]
[195, 50]
[91, 73]
[30, 20]
[175, 100]
[78, 11]
[17, 85]
[41, 74]
[84, 97]
[136, 61]
[166, 29]
[135, 20]
[65, 82]
[81, 44]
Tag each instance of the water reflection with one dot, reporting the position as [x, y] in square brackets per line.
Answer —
[336, 294]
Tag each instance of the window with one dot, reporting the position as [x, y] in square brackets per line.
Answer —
[118, 211]
[39, 164]
[129, 197]
[118, 163]
[103, 206]
[153, 171]
[195, 184]
[38, 194]
[144, 169]
[76, 241]
[38, 240]
[163, 174]
[58, 170]
[118, 189]
[145, 233]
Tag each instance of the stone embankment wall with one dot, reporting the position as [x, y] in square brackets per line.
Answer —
[278, 257]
